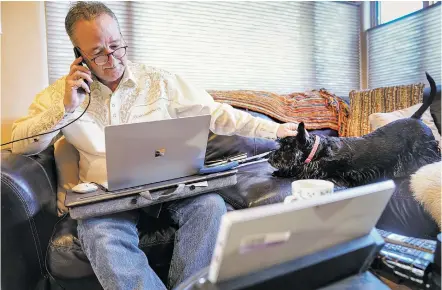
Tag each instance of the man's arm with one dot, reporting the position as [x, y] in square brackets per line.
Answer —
[46, 113]
[226, 120]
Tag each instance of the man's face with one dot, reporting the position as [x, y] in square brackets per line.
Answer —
[100, 37]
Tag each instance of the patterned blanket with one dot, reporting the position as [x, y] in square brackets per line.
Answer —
[318, 109]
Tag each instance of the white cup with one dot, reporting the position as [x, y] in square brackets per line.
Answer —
[309, 188]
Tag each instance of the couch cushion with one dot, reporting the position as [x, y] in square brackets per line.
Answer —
[380, 100]
[378, 120]
[257, 186]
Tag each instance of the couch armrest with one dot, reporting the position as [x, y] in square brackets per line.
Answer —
[28, 199]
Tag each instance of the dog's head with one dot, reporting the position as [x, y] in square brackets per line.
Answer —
[292, 151]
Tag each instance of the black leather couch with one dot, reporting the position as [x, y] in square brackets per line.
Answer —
[37, 246]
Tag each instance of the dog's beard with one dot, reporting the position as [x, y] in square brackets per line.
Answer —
[284, 159]
[287, 163]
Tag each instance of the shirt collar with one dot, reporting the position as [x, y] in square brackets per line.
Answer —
[128, 74]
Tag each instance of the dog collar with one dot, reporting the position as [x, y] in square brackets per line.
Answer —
[314, 149]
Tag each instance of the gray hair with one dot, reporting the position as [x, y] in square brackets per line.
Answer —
[87, 10]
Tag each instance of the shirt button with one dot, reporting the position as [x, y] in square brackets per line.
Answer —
[113, 105]
[115, 115]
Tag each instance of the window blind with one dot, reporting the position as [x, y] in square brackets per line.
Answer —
[401, 51]
[280, 47]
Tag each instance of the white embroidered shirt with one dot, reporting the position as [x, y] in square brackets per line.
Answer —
[144, 94]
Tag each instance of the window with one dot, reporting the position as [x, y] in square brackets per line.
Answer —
[400, 52]
[391, 10]
[280, 47]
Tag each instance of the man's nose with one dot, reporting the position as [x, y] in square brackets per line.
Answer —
[110, 60]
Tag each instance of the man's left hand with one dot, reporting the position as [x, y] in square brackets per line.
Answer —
[287, 129]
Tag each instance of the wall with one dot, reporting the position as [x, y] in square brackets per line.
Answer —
[24, 70]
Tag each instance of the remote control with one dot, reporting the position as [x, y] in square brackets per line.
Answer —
[419, 244]
[410, 266]
[409, 252]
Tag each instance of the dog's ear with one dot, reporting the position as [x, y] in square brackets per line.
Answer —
[302, 135]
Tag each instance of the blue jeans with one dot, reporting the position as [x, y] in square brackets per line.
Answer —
[111, 244]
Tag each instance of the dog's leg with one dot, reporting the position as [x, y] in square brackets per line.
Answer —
[281, 173]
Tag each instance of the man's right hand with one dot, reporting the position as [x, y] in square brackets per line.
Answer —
[73, 97]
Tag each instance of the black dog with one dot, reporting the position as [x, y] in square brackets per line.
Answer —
[395, 150]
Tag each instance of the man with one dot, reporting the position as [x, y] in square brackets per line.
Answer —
[124, 92]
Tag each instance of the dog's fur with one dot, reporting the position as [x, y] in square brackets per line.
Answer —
[395, 150]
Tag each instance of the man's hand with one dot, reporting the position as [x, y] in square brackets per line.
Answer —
[74, 81]
[287, 129]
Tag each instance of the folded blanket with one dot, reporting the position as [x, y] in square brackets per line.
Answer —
[318, 109]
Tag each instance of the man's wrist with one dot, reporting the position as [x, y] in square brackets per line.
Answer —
[68, 108]
[268, 129]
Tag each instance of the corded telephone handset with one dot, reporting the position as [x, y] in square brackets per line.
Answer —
[77, 55]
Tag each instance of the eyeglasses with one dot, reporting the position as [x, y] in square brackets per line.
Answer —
[103, 59]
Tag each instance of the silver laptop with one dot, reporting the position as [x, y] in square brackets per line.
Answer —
[257, 238]
[157, 151]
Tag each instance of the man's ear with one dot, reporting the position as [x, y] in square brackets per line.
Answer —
[301, 137]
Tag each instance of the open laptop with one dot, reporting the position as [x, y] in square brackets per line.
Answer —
[258, 238]
[149, 152]
[151, 155]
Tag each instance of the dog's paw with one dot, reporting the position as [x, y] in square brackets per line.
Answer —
[279, 173]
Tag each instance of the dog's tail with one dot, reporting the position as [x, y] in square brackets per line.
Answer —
[418, 114]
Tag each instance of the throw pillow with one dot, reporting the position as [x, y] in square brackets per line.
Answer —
[381, 119]
[380, 100]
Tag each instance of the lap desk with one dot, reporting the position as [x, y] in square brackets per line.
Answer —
[102, 202]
